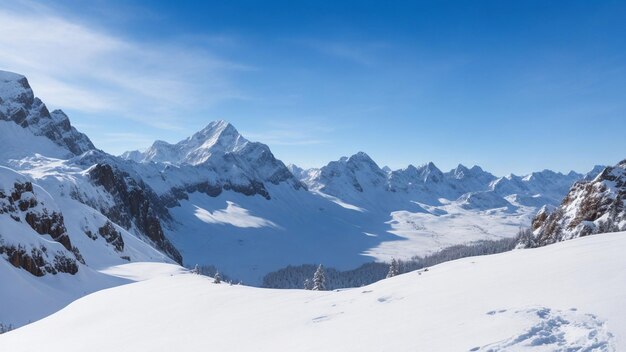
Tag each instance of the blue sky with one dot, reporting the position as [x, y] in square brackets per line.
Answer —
[511, 86]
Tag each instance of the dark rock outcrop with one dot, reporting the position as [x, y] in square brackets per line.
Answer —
[36, 261]
[21, 203]
[136, 204]
[591, 207]
[49, 224]
[112, 236]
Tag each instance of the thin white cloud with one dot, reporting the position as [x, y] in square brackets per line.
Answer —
[74, 65]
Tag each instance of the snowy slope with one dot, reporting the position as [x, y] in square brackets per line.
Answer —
[555, 298]
[32, 298]
[51, 245]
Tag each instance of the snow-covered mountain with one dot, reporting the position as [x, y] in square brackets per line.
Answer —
[565, 297]
[69, 210]
[19, 104]
[590, 207]
[61, 220]
[215, 140]
[216, 158]
[351, 178]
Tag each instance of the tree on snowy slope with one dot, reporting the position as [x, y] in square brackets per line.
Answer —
[394, 268]
[319, 279]
[307, 284]
[218, 278]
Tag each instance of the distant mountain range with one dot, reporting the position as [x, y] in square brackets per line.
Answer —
[215, 198]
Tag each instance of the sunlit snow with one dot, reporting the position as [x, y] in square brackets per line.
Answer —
[233, 215]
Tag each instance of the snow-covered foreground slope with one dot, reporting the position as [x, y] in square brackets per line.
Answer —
[569, 296]
[26, 298]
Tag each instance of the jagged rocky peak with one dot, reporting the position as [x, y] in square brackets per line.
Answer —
[462, 172]
[357, 172]
[360, 157]
[18, 104]
[590, 207]
[15, 88]
[213, 159]
[220, 133]
[430, 173]
[362, 161]
[297, 171]
[549, 176]
[216, 139]
[595, 171]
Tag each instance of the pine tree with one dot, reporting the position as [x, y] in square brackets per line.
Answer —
[195, 270]
[394, 268]
[218, 278]
[319, 279]
[307, 284]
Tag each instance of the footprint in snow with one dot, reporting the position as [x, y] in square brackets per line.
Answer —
[555, 330]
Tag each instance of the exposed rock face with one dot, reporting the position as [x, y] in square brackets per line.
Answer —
[590, 207]
[40, 220]
[21, 205]
[135, 204]
[49, 224]
[112, 236]
[18, 104]
[37, 261]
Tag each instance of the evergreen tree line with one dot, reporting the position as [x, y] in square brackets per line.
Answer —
[302, 276]
[210, 270]
[5, 328]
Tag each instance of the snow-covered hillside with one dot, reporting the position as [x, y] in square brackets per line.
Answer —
[554, 298]
[51, 245]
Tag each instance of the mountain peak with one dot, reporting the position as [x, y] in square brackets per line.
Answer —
[217, 127]
[361, 157]
[14, 88]
[217, 137]
[460, 171]
[18, 104]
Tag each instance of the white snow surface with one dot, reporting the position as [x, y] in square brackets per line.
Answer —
[570, 296]
[19, 142]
